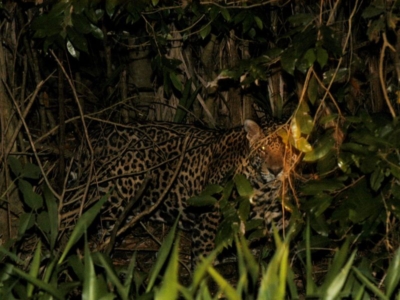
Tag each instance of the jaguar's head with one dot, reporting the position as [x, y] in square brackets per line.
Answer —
[269, 155]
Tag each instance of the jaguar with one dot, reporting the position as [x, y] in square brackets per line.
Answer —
[156, 167]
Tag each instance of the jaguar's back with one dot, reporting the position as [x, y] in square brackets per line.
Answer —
[169, 163]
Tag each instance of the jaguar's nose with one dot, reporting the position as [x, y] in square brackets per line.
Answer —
[275, 170]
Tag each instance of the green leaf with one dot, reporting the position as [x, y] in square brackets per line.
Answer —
[33, 200]
[322, 56]
[51, 289]
[162, 257]
[340, 75]
[15, 165]
[170, 285]
[81, 23]
[199, 201]
[322, 148]
[154, 2]
[71, 50]
[298, 19]
[303, 119]
[105, 262]
[52, 209]
[392, 278]
[377, 178]
[77, 39]
[90, 287]
[288, 60]
[212, 189]
[312, 90]
[243, 186]
[26, 221]
[303, 145]
[34, 269]
[31, 171]
[259, 22]
[225, 14]
[333, 290]
[372, 11]
[205, 31]
[82, 225]
[175, 81]
[307, 60]
[244, 209]
[314, 187]
[43, 222]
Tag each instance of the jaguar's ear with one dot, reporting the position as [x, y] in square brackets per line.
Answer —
[254, 131]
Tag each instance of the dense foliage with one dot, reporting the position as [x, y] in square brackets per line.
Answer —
[329, 68]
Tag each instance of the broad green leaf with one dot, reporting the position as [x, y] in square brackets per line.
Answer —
[259, 22]
[244, 209]
[26, 221]
[322, 148]
[205, 31]
[71, 49]
[288, 60]
[81, 23]
[225, 14]
[312, 90]
[303, 145]
[322, 57]
[298, 19]
[175, 81]
[306, 61]
[330, 40]
[243, 186]
[372, 11]
[199, 201]
[97, 32]
[31, 171]
[33, 200]
[315, 187]
[43, 222]
[332, 75]
[15, 165]
[212, 189]
[303, 119]
[154, 2]
[77, 39]
[377, 178]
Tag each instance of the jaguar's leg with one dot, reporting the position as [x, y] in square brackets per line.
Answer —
[203, 235]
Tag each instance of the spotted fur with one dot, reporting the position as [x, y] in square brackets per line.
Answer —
[125, 157]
